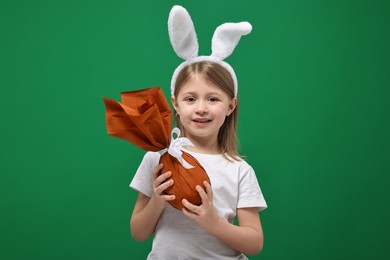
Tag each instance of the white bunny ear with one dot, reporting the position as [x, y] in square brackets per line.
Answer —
[226, 37]
[182, 33]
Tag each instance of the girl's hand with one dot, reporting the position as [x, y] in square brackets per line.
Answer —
[203, 214]
[160, 184]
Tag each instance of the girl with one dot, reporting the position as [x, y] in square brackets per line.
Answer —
[204, 96]
[206, 112]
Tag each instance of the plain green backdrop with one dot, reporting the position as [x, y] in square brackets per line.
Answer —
[314, 121]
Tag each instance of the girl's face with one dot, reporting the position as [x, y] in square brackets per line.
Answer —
[202, 108]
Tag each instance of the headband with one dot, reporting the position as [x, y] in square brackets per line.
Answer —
[185, 43]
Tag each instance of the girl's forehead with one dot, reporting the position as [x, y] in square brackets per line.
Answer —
[200, 85]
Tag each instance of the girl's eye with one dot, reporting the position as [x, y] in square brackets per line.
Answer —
[213, 99]
[189, 99]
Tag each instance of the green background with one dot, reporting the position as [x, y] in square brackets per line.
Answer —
[314, 121]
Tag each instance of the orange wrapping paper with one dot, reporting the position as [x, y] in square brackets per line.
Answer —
[144, 119]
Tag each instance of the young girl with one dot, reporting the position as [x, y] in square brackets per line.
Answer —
[206, 111]
[204, 96]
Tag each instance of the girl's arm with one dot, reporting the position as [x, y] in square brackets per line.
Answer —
[246, 238]
[147, 210]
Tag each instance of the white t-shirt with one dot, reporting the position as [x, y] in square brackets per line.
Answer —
[234, 185]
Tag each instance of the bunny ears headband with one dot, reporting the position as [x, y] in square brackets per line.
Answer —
[185, 44]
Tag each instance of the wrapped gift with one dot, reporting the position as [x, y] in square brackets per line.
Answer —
[144, 119]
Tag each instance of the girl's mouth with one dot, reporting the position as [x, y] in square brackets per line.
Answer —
[202, 120]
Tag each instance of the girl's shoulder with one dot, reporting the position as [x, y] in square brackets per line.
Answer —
[152, 155]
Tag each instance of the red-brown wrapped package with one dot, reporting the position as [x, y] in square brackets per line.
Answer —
[144, 118]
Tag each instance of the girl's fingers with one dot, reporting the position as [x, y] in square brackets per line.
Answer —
[157, 170]
[162, 178]
[191, 207]
[202, 194]
[169, 197]
[187, 213]
[208, 190]
[163, 186]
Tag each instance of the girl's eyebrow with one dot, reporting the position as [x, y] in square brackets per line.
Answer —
[193, 93]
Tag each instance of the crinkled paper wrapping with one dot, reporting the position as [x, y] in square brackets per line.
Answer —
[144, 119]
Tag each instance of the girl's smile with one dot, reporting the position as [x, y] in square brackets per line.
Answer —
[201, 121]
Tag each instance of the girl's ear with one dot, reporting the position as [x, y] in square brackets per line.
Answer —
[232, 106]
[174, 104]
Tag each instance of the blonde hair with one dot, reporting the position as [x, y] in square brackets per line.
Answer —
[221, 78]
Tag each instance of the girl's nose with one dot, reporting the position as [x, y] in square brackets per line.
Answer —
[201, 107]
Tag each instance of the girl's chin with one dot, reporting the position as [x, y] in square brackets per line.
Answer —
[201, 125]
[200, 133]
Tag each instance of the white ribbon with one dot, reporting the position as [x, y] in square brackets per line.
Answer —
[176, 146]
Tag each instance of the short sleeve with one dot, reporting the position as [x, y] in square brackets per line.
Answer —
[250, 194]
[143, 178]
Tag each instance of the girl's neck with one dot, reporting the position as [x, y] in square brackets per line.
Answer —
[205, 146]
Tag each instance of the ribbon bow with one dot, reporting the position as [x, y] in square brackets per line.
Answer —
[176, 146]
